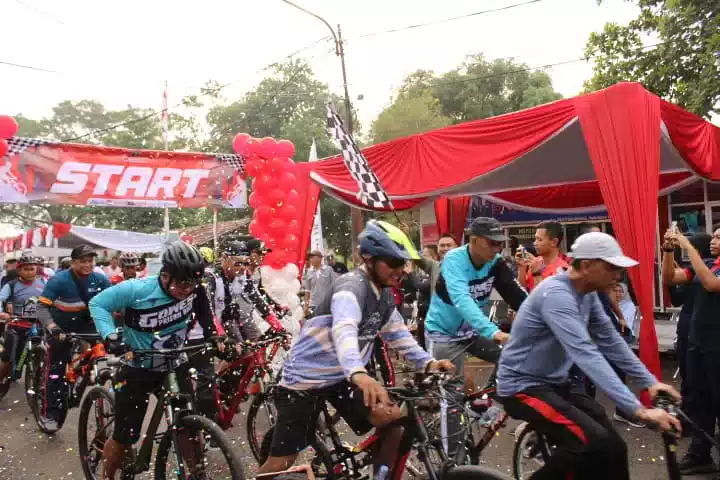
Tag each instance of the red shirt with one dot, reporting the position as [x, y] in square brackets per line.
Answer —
[557, 266]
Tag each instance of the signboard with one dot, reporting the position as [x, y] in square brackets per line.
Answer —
[68, 174]
[481, 207]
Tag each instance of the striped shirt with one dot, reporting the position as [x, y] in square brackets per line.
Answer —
[338, 341]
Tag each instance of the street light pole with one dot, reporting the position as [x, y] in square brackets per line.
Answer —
[356, 218]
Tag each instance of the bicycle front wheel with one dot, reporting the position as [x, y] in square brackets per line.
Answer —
[532, 451]
[206, 452]
[101, 403]
[261, 418]
[36, 373]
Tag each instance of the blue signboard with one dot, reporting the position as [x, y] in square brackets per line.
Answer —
[480, 207]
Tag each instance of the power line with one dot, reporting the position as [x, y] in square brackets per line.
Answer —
[29, 67]
[451, 19]
[40, 12]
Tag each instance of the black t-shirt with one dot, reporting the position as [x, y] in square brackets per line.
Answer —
[11, 275]
[705, 323]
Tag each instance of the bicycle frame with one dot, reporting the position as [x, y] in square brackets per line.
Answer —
[79, 368]
[256, 365]
[490, 432]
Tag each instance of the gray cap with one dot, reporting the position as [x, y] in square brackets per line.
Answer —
[488, 228]
[600, 246]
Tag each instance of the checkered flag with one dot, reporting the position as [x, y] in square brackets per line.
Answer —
[235, 161]
[20, 144]
[371, 192]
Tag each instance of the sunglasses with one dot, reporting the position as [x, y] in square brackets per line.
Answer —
[393, 262]
[186, 284]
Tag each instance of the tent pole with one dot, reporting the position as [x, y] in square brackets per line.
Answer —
[658, 253]
[215, 229]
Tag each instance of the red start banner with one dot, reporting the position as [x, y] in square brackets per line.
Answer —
[37, 171]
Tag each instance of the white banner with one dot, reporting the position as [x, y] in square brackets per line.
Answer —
[316, 238]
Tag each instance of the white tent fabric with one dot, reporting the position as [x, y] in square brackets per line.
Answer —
[118, 239]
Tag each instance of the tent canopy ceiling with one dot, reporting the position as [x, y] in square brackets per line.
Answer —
[112, 239]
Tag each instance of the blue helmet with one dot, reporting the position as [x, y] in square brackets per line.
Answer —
[382, 239]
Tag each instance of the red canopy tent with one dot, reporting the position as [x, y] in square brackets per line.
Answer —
[619, 147]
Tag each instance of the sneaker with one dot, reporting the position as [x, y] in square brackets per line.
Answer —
[692, 465]
[619, 417]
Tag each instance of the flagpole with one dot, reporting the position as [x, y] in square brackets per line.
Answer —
[166, 126]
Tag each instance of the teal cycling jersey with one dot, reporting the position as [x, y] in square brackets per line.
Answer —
[153, 319]
[462, 290]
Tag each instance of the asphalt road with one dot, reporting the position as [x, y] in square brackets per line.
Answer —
[25, 453]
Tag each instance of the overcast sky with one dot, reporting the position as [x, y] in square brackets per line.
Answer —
[120, 53]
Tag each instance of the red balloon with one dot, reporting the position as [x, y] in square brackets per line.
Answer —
[268, 147]
[254, 201]
[272, 243]
[292, 197]
[287, 181]
[285, 149]
[4, 147]
[291, 240]
[293, 227]
[279, 260]
[8, 126]
[263, 214]
[253, 166]
[264, 184]
[239, 142]
[276, 226]
[288, 211]
[276, 196]
[250, 149]
[255, 229]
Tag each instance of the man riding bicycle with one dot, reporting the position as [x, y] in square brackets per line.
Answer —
[327, 361]
[455, 323]
[63, 308]
[563, 323]
[14, 296]
[159, 311]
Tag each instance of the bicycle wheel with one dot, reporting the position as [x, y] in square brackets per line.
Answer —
[261, 418]
[36, 372]
[90, 447]
[531, 451]
[214, 455]
[473, 472]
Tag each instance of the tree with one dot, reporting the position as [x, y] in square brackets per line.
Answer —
[408, 115]
[682, 66]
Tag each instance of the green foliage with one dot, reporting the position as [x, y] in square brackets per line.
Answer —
[682, 65]
[408, 115]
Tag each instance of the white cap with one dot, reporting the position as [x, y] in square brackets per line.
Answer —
[600, 246]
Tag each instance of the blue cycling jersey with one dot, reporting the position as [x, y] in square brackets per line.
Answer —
[462, 290]
[153, 319]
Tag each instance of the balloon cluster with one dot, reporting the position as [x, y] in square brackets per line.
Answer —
[8, 129]
[274, 200]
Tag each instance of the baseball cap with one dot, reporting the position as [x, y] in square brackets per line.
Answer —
[82, 251]
[600, 246]
[316, 253]
[488, 228]
[255, 244]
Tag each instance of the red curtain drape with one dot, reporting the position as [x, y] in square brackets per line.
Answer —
[621, 130]
[310, 191]
[442, 215]
[459, 207]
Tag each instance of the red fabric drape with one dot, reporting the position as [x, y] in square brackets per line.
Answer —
[310, 191]
[621, 130]
[61, 229]
[442, 215]
[459, 207]
[697, 140]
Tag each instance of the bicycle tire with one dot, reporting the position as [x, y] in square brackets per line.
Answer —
[104, 378]
[217, 437]
[518, 453]
[473, 472]
[35, 373]
[93, 394]
[322, 456]
[254, 437]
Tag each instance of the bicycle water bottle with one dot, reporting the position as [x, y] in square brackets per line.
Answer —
[382, 473]
[490, 416]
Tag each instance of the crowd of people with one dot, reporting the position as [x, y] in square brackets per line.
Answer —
[572, 322]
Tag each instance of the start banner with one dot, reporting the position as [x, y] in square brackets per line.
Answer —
[43, 172]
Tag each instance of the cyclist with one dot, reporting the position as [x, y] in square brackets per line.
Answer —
[63, 307]
[129, 263]
[159, 311]
[563, 323]
[328, 359]
[14, 296]
[455, 323]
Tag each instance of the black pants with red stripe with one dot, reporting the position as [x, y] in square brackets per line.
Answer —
[588, 445]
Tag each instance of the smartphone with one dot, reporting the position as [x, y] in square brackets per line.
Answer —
[674, 227]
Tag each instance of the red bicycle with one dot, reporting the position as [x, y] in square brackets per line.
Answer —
[249, 374]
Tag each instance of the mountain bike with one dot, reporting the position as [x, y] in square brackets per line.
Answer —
[20, 330]
[81, 371]
[334, 459]
[189, 448]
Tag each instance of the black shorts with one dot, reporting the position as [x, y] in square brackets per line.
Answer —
[298, 410]
[132, 393]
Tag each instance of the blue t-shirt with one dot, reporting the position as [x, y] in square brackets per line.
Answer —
[462, 290]
[61, 294]
[18, 293]
[153, 319]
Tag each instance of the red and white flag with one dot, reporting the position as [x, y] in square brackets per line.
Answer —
[164, 117]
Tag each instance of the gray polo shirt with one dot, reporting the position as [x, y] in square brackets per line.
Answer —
[318, 281]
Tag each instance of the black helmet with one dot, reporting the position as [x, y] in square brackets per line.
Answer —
[183, 261]
[237, 248]
[27, 259]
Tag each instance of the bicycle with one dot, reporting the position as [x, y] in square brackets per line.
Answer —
[18, 357]
[335, 460]
[246, 375]
[205, 439]
[81, 371]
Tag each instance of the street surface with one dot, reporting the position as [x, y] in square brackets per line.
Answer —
[27, 454]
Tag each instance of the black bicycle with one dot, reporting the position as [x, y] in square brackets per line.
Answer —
[334, 459]
[192, 446]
